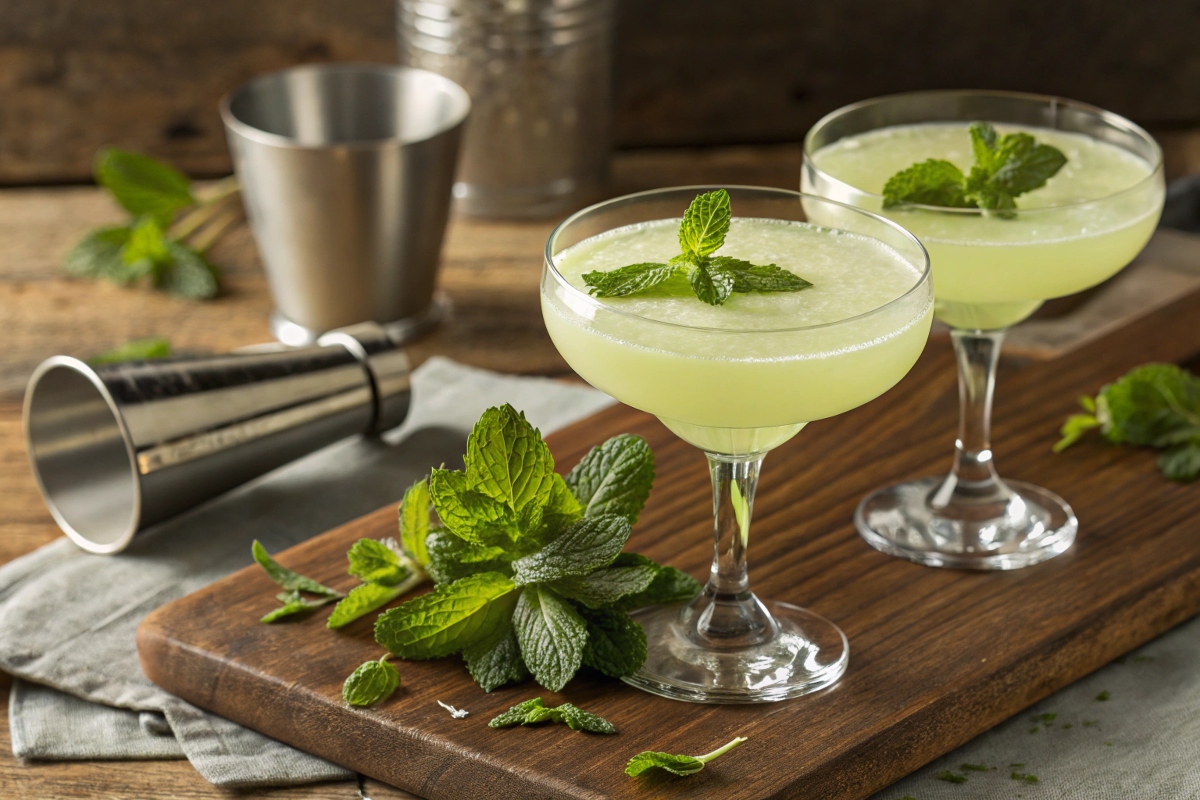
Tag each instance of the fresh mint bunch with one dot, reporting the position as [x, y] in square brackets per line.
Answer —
[1005, 168]
[1154, 405]
[713, 278]
[154, 246]
[528, 564]
[676, 765]
[534, 712]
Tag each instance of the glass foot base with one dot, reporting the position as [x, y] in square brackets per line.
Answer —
[807, 654]
[1021, 526]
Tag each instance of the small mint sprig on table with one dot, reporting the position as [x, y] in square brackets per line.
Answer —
[676, 765]
[1154, 405]
[371, 683]
[1005, 167]
[535, 712]
[713, 278]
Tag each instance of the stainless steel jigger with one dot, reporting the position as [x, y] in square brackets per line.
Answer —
[118, 448]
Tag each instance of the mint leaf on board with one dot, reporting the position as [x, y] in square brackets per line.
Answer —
[616, 644]
[451, 617]
[676, 765]
[670, 585]
[606, 586]
[362, 600]
[551, 634]
[289, 580]
[371, 683]
[294, 604]
[517, 715]
[451, 558]
[579, 720]
[372, 561]
[414, 521]
[629, 280]
[712, 279]
[588, 545]
[749, 277]
[614, 477]
[533, 712]
[507, 460]
[493, 664]
[705, 224]
[143, 185]
[934, 182]
[137, 350]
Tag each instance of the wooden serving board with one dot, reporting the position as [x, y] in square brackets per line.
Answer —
[937, 656]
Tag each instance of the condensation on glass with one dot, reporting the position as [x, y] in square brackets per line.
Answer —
[539, 76]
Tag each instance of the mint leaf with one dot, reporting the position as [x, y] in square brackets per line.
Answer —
[749, 277]
[705, 224]
[371, 683]
[495, 663]
[451, 558]
[711, 286]
[98, 255]
[605, 586]
[562, 510]
[532, 712]
[551, 635]
[137, 350]
[1181, 463]
[1023, 165]
[507, 459]
[1149, 404]
[449, 618]
[414, 521]
[579, 720]
[616, 643]
[294, 604]
[669, 586]
[372, 561]
[470, 514]
[286, 578]
[517, 715]
[984, 141]
[146, 248]
[143, 185]
[614, 477]
[362, 600]
[1074, 429]
[677, 765]
[188, 273]
[589, 544]
[934, 182]
[628, 280]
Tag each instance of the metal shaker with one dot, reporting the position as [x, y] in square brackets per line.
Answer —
[118, 448]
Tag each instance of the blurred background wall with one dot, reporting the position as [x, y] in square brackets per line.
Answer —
[147, 74]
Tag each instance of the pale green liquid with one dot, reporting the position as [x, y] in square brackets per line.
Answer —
[990, 272]
[726, 378]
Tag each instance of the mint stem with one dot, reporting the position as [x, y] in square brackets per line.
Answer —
[720, 751]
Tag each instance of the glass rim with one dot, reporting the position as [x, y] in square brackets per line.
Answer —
[922, 280]
[1110, 118]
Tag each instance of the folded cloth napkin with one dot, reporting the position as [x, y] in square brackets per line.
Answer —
[68, 618]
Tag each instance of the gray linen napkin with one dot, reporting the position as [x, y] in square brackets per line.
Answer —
[68, 618]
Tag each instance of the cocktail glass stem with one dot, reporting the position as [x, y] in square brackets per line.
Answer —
[727, 614]
[973, 477]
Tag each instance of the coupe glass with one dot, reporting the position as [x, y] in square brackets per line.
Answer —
[736, 393]
[990, 272]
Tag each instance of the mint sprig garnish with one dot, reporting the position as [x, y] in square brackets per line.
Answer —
[168, 231]
[1005, 167]
[1154, 405]
[676, 765]
[713, 278]
[535, 712]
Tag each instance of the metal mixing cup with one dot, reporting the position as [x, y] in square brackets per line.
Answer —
[346, 173]
[118, 448]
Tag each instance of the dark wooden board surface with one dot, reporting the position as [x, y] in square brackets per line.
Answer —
[937, 656]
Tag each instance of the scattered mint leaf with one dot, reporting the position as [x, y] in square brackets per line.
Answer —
[1103, 696]
[137, 350]
[517, 715]
[1049, 717]
[614, 478]
[713, 279]
[143, 185]
[606, 586]
[286, 578]
[363, 600]
[507, 460]
[371, 683]
[551, 634]
[616, 644]
[447, 619]
[934, 182]
[579, 720]
[588, 545]
[294, 604]
[414, 521]
[493, 664]
[677, 765]
[670, 585]
[532, 712]
[1022, 776]
[372, 561]
[951, 777]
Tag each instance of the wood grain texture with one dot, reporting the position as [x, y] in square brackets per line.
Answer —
[937, 656]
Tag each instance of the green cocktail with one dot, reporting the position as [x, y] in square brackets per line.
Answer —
[737, 380]
[992, 268]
